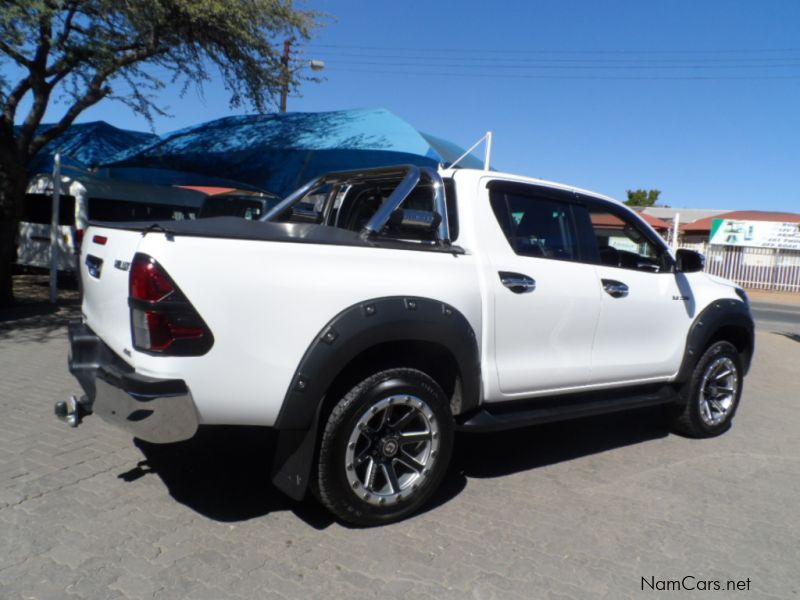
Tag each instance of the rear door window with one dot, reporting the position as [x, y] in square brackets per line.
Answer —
[535, 224]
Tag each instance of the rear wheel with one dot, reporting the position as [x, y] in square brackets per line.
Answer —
[385, 447]
[713, 392]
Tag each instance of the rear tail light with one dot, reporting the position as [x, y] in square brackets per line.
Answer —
[98, 239]
[79, 238]
[149, 282]
[162, 319]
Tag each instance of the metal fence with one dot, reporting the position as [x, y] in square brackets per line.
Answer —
[757, 268]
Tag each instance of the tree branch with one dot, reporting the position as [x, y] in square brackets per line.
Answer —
[41, 91]
[67, 29]
[75, 56]
[95, 92]
[85, 46]
[39, 62]
[20, 58]
[22, 88]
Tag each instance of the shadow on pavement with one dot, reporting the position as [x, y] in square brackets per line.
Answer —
[32, 317]
[32, 310]
[503, 453]
[37, 322]
[792, 336]
[223, 473]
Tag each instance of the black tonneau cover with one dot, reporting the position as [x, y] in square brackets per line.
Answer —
[244, 229]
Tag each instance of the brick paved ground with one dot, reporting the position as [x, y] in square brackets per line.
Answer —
[572, 510]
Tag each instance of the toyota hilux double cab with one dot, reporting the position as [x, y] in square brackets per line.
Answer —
[372, 314]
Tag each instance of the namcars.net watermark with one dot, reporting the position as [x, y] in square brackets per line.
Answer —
[691, 583]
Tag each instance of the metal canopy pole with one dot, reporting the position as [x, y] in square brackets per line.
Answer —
[676, 223]
[54, 231]
[487, 157]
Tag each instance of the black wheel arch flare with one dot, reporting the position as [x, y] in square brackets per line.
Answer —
[726, 319]
[350, 333]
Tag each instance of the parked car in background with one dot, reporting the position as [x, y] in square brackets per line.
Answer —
[84, 198]
[238, 203]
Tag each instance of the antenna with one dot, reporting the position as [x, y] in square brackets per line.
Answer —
[487, 157]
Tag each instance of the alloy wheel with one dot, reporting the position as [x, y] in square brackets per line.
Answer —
[392, 449]
[718, 390]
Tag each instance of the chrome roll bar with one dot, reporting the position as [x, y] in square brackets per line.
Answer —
[393, 202]
[293, 198]
[411, 176]
[439, 202]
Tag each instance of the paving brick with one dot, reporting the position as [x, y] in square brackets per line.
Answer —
[574, 510]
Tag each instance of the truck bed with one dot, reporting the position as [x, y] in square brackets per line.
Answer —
[243, 229]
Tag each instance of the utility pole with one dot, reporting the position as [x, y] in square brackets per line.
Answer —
[287, 49]
[286, 71]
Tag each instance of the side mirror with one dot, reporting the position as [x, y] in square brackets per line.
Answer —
[404, 219]
[689, 261]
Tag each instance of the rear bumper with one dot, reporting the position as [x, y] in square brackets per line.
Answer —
[154, 410]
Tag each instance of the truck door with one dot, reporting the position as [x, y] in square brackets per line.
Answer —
[646, 308]
[545, 300]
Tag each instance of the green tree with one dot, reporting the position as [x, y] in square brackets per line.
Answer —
[79, 52]
[642, 197]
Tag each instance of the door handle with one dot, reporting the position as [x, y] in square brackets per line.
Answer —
[517, 282]
[615, 289]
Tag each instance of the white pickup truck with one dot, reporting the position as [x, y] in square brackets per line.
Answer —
[372, 314]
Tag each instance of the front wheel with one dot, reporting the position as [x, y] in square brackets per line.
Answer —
[385, 447]
[712, 393]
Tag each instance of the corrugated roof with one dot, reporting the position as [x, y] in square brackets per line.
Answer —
[208, 189]
[655, 222]
[702, 225]
[688, 215]
[613, 222]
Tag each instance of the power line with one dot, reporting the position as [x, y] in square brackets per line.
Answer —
[570, 77]
[554, 60]
[566, 64]
[531, 51]
[560, 67]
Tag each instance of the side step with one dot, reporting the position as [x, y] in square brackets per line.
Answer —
[561, 408]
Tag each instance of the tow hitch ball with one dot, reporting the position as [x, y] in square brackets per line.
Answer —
[71, 411]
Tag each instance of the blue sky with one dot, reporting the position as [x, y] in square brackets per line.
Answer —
[700, 99]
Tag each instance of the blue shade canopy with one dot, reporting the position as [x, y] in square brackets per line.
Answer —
[279, 152]
[87, 145]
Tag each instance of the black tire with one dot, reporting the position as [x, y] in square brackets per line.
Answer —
[709, 408]
[365, 472]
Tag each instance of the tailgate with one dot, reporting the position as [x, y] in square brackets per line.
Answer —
[106, 256]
